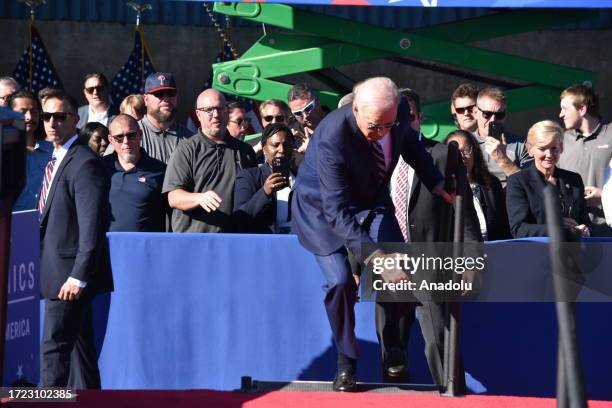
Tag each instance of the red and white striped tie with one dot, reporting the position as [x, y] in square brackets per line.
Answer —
[46, 185]
[399, 198]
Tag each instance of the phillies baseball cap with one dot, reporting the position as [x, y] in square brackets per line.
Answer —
[160, 81]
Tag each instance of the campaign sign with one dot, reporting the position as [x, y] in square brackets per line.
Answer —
[22, 340]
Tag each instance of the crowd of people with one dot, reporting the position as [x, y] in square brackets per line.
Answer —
[332, 178]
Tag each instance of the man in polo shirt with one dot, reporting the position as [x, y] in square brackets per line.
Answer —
[136, 200]
[160, 132]
[587, 148]
[504, 154]
[202, 171]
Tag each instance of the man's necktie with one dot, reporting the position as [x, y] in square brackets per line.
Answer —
[399, 198]
[44, 192]
[379, 161]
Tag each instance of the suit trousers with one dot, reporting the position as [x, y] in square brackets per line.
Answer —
[340, 287]
[68, 354]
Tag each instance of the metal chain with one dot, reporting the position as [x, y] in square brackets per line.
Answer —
[224, 34]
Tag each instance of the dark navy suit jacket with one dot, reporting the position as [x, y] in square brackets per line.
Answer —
[336, 188]
[525, 201]
[74, 224]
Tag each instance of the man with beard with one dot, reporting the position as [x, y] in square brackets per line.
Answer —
[160, 133]
[202, 171]
[38, 152]
[135, 197]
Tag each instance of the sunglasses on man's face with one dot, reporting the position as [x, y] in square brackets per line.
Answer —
[274, 118]
[499, 115]
[462, 110]
[171, 93]
[119, 138]
[91, 89]
[57, 116]
[306, 109]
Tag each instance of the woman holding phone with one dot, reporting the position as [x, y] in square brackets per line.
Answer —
[262, 194]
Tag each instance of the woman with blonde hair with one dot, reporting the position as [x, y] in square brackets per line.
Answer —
[134, 106]
[525, 189]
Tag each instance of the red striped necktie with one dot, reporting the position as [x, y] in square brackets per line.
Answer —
[46, 185]
[379, 161]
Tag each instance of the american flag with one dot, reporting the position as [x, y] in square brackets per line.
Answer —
[35, 70]
[130, 78]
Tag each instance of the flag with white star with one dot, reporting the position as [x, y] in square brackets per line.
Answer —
[35, 70]
[131, 77]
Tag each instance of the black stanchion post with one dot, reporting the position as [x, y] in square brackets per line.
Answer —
[12, 178]
[570, 385]
[455, 170]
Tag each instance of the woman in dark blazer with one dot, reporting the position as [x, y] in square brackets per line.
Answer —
[525, 189]
[261, 196]
[487, 190]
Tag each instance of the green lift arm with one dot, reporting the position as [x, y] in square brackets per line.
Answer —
[328, 42]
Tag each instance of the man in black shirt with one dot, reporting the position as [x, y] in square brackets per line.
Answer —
[136, 200]
[203, 169]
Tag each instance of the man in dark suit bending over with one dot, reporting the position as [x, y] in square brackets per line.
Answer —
[74, 258]
[342, 200]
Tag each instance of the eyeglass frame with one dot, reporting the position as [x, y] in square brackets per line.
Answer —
[131, 136]
[462, 109]
[306, 109]
[244, 122]
[499, 115]
[208, 110]
[46, 116]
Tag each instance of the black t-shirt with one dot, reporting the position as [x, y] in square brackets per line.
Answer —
[199, 165]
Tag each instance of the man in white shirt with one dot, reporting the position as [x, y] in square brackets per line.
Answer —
[99, 109]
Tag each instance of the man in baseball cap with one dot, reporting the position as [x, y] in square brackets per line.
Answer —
[160, 133]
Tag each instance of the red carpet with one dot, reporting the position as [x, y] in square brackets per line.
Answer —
[291, 399]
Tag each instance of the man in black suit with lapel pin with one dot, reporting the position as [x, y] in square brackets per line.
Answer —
[74, 253]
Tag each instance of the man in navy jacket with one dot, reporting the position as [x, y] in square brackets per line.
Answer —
[74, 258]
[341, 199]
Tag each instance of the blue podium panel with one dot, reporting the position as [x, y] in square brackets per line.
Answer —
[202, 310]
[22, 347]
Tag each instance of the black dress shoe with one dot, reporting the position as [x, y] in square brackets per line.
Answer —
[344, 381]
[397, 371]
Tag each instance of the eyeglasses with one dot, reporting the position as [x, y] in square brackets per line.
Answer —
[488, 114]
[129, 135]
[306, 109]
[170, 93]
[464, 109]
[91, 89]
[274, 118]
[378, 128]
[241, 122]
[210, 109]
[57, 116]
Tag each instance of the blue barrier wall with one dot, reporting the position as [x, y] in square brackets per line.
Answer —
[199, 311]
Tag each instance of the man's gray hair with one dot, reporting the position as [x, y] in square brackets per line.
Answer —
[378, 91]
[9, 81]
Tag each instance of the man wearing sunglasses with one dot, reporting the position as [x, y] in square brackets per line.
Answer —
[239, 124]
[306, 109]
[98, 108]
[341, 199]
[504, 153]
[463, 107]
[135, 197]
[161, 134]
[74, 261]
